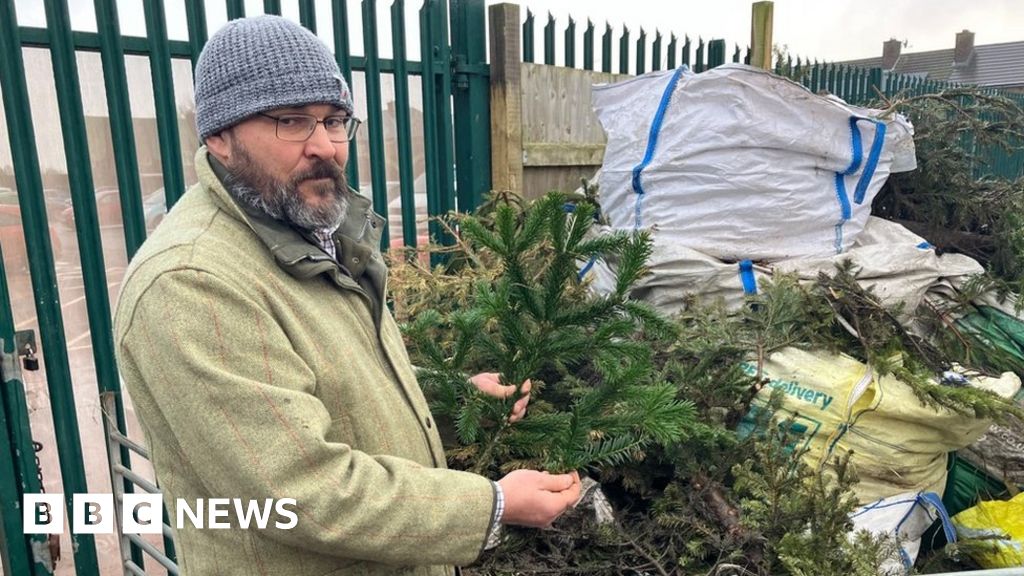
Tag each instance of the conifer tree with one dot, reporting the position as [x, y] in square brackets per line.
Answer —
[595, 399]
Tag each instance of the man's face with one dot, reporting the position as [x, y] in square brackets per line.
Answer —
[301, 183]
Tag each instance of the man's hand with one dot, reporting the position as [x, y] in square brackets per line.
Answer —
[489, 383]
[536, 499]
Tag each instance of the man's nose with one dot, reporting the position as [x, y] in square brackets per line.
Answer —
[319, 144]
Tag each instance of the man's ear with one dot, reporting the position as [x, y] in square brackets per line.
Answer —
[219, 145]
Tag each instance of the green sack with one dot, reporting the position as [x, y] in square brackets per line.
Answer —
[966, 484]
[994, 328]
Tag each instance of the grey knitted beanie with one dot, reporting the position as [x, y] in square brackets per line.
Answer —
[257, 64]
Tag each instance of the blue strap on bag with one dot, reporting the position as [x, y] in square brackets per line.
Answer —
[652, 142]
[927, 500]
[747, 277]
[845, 209]
[933, 501]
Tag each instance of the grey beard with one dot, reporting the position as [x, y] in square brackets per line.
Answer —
[284, 203]
[256, 190]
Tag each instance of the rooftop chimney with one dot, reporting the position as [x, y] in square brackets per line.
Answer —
[963, 55]
[891, 53]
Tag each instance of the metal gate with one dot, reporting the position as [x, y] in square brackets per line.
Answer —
[72, 215]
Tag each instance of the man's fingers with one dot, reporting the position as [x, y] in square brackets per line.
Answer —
[505, 391]
[519, 408]
[524, 390]
[490, 383]
[557, 482]
[575, 492]
[520, 405]
[537, 497]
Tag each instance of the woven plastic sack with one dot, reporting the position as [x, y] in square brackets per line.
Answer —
[839, 404]
[898, 265]
[904, 518]
[1000, 526]
[738, 163]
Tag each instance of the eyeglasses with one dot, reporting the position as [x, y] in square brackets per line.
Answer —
[299, 127]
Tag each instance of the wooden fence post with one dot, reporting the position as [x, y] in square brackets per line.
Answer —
[506, 99]
[761, 34]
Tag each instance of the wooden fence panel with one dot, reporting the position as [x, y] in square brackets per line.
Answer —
[562, 138]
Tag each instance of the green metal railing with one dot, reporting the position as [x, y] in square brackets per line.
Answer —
[87, 227]
[549, 41]
[624, 51]
[645, 51]
[403, 124]
[16, 453]
[44, 279]
[699, 65]
[471, 95]
[450, 71]
[437, 127]
[342, 54]
[374, 115]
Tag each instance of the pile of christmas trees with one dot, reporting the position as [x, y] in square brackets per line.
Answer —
[648, 405]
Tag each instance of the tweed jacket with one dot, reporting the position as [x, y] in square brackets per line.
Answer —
[261, 369]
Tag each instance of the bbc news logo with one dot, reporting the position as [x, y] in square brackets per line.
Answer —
[142, 513]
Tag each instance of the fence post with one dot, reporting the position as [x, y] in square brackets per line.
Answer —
[374, 115]
[403, 123]
[588, 46]
[716, 53]
[624, 51]
[761, 34]
[641, 53]
[606, 49]
[435, 51]
[698, 63]
[656, 52]
[342, 54]
[506, 99]
[570, 44]
[549, 41]
[472, 111]
[528, 41]
[236, 9]
[163, 94]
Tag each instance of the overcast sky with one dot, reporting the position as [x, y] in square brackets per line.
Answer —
[823, 29]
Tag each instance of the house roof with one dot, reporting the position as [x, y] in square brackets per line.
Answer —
[996, 65]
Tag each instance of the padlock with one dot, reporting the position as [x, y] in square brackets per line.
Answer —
[29, 361]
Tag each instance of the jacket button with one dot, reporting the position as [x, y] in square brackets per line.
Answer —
[355, 260]
[427, 420]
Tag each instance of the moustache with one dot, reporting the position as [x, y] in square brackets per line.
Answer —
[320, 169]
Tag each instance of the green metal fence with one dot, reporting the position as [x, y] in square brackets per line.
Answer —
[451, 71]
[705, 55]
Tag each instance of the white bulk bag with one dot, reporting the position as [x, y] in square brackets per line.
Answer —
[739, 163]
[898, 265]
[904, 519]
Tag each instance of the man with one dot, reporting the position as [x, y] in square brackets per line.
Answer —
[263, 364]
